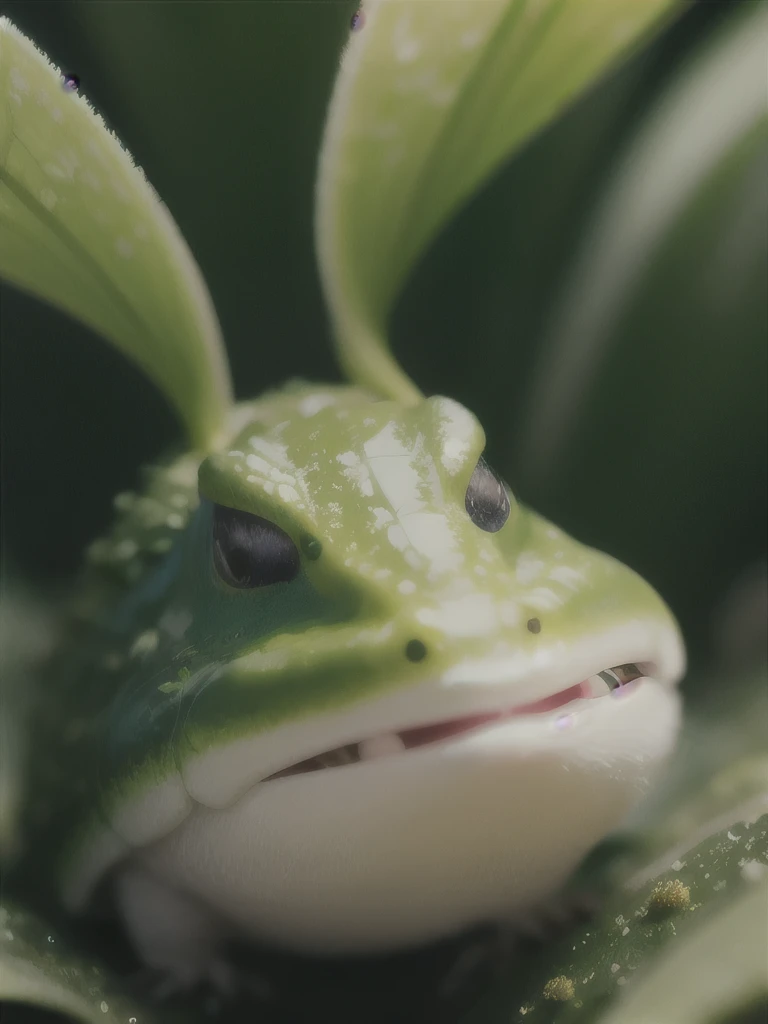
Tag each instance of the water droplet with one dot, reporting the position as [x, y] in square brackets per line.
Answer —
[104, 1006]
[131, 1020]
[311, 547]
[70, 83]
[51, 938]
[358, 20]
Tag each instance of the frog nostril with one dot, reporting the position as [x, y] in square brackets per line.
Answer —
[415, 650]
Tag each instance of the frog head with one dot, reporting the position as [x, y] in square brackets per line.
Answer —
[362, 625]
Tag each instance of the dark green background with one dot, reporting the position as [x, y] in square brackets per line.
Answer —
[222, 104]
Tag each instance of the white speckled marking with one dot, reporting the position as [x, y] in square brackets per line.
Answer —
[288, 493]
[257, 463]
[509, 613]
[570, 578]
[18, 81]
[275, 453]
[473, 615]
[312, 404]
[412, 558]
[457, 430]
[124, 247]
[397, 537]
[383, 516]
[431, 536]
[543, 599]
[357, 472]
[528, 568]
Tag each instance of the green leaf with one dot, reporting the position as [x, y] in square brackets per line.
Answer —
[430, 98]
[720, 767]
[709, 126]
[609, 963]
[36, 968]
[82, 229]
[679, 990]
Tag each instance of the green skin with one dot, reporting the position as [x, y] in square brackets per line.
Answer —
[165, 664]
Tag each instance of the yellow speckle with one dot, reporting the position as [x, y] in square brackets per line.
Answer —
[669, 898]
[559, 989]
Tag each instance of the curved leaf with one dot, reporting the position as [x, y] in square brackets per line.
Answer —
[430, 98]
[678, 990]
[36, 970]
[709, 126]
[81, 228]
[607, 965]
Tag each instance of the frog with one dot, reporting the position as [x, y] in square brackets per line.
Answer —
[326, 684]
[330, 686]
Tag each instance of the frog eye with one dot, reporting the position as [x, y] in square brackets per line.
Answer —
[249, 551]
[486, 500]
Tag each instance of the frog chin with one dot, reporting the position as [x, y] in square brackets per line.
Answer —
[413, 842]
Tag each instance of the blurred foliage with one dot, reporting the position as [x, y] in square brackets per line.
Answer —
[428, 101]
[663, 463]
[38, 967]
[82, 229]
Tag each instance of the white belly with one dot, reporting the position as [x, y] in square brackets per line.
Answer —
[400, 851]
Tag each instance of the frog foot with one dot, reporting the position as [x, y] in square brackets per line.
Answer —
[175, 936]
[552, 919]
[546, 923]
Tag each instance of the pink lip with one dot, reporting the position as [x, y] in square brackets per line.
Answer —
[423, 734]
[442, 730]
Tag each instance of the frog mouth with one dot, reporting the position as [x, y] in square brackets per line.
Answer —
[614, 681]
